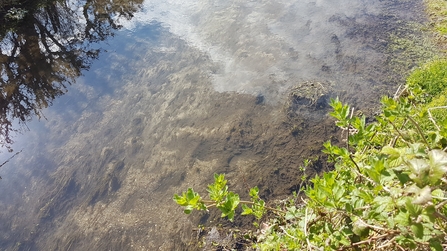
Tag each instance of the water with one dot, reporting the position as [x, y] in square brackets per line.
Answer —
[181, 91]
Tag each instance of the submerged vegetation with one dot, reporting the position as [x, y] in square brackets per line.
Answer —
[387, 190]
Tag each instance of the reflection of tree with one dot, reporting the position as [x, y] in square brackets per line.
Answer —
[46, 49]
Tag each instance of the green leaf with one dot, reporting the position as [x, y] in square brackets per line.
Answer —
[292, 213]
[430, 211]
[413, 209]
[348, 207]
[403, 177]
[190, 200]
[246, 210]
[419, 171]
[392, 152]
[180, 200]
[390, 222]
[406, 241]
[436, 245]
[438, 193]
[418, 230]
[383, 203]
[338, 191]
[438, 164]
[254, 193]
[360, 228]
[402, 218]
[188, 209]
[230, 204]
[218, 190]
[258, 209]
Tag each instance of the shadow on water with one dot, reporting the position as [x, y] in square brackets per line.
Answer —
[44, 46]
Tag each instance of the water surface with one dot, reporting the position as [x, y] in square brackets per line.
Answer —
[177, 91]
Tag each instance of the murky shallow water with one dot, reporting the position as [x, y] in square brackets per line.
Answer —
[186, 90]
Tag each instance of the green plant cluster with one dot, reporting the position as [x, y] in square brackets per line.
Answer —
[226, 201]
[429, 80]
[387, 190]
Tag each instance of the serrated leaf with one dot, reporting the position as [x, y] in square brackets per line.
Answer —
[189, 199]
[418, 230]
[430, 211]
[383, 202]
[180, 200]
[438, 193]
[417, 149]
[419, 171]
[348, 207]
[413, 209]
[438, 164]
[338, 191]
[402, 218]
[258, 209]
[392, 152]
[390, 222]
[438, 157]
[218, 190]
[403, 177]
[436, 245]
[418, 166]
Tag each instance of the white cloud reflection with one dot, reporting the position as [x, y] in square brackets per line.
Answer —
[260, 43]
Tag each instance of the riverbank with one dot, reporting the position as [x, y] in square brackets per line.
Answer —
[280, 233]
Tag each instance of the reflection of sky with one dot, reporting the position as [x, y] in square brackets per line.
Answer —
[100, 82]
[5, 47]
[251, 40]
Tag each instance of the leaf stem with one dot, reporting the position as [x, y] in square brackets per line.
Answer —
[367, 241]
[418, 128]
[398, 132]
[210, 203]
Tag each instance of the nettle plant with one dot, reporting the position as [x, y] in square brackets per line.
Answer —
[387, 190]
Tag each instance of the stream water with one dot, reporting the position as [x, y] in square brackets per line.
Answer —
[157, 96]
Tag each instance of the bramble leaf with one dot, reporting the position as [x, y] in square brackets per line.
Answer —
[418, 230]
[422, 196]
[438, 164]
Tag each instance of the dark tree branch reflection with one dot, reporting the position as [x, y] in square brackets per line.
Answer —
[46, 49]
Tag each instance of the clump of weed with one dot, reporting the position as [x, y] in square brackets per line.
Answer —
[429, 80]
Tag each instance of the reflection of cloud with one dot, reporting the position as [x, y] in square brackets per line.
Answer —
[251, 39]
